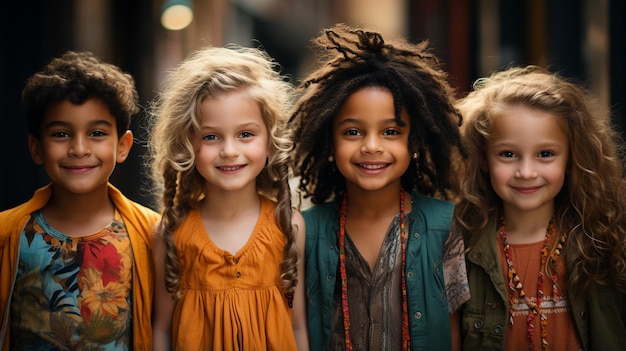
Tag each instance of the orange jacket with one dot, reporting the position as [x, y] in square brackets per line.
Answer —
[140, 222]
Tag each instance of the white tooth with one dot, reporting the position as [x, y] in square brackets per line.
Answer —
[373, 166]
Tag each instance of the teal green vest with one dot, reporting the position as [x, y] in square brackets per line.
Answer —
[430, 221]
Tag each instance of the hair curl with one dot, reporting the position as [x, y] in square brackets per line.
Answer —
[354, 58]
[591, 205]
[175, 116]
[77, 77]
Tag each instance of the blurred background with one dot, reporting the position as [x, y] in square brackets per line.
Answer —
[582, 39]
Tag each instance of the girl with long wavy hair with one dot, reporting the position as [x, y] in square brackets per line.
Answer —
[543, 217]
[227, 254]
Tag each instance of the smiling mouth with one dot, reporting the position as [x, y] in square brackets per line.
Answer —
[528, 189]
[372, 167]
[230, 168]
[78, 169]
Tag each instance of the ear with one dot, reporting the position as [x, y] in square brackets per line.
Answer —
[34, 146]
[123, 146]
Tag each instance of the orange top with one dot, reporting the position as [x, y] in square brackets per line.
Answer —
[140, 222]
[231, 302]
[561, 331]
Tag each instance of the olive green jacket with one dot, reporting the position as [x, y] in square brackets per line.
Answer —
[599, 313]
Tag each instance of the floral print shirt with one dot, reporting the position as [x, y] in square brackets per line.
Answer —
[72, 293]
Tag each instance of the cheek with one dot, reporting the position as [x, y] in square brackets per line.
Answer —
[559, 174]
[498, 174]
[260, 152]
[259, 149]
[343, 156]
[205, 152]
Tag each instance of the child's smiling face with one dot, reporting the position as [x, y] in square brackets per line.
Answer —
[234, 144]
[370, 147]
[79, 146]
[527, 159]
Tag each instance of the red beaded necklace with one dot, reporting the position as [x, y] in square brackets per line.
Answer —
[406, 339]
[515, 283]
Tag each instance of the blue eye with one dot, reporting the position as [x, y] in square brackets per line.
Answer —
[210, 137]
[246, 134]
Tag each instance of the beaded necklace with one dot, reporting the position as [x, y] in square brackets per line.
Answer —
[515, 283]
[344, 276]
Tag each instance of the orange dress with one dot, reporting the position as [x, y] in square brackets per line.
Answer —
[232, 302]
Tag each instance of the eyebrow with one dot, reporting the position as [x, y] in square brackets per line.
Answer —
[241, 126]
[357, 121]
[509, 145]
[66, 124]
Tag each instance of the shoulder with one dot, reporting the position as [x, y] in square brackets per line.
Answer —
[267, 205]
[320, 211]
[13, 217]
[321, 221]
[136, 216]
[128, 206]
[297, 219]
[431, 210]
[427, 203]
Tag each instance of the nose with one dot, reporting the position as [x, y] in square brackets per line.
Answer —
[229, 149]
[79, 147]
[371, 144]
[526, 169]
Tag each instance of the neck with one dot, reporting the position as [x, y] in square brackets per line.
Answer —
[378, 202]
[229, 204]
[79, 214]
[67, 205]
[524, 227]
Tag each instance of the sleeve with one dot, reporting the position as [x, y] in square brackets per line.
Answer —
[454, 272]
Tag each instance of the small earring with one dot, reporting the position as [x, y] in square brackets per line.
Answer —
[415, 155]
[331, 158]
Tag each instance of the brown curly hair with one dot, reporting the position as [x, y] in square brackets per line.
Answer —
[354, 58]
[78, 76]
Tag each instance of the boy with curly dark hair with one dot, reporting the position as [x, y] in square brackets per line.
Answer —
[75, 260]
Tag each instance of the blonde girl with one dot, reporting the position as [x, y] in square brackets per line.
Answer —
[227, 255]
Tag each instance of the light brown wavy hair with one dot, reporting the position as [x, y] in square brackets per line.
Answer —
[591, 205]
[175, 114]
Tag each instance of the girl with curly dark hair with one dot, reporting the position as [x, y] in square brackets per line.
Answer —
[376, 136]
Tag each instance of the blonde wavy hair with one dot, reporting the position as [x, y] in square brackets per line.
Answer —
[175, 114]
[591, 206]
